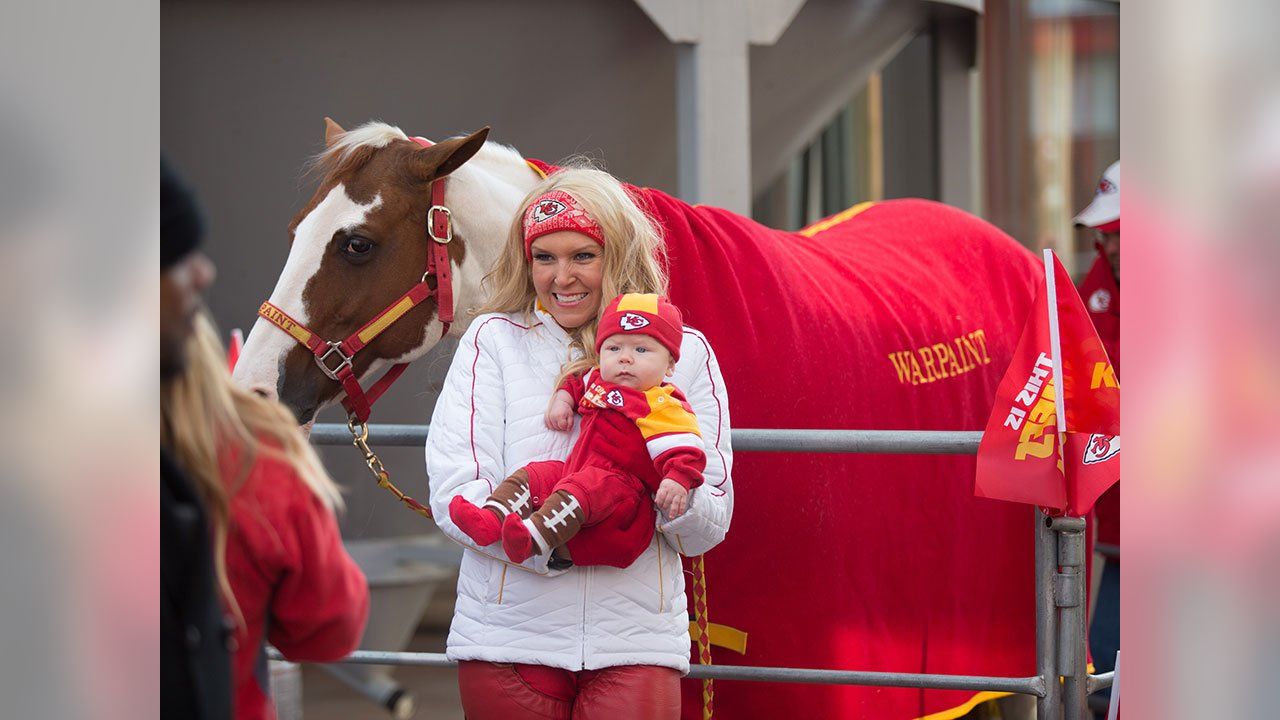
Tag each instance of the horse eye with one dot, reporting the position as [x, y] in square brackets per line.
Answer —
[357, 248]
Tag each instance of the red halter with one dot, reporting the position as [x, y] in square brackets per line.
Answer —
[335, 357]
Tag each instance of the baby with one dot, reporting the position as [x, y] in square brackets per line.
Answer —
[639, 440]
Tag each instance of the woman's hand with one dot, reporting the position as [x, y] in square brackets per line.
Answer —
[560, 411]
[672, 498]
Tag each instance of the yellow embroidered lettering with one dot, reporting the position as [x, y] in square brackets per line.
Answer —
[941, 360]
[926, 356]
[899, 360]
[979, 337]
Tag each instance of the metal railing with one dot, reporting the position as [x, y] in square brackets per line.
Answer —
[1059, 575]
[886, 442]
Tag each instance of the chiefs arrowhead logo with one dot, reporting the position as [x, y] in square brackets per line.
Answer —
[614, 398]
[1100, 301]
[632, 321]
[1101, 448]
[547, 209]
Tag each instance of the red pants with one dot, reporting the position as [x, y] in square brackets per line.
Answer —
[498, 691]
[620, 515]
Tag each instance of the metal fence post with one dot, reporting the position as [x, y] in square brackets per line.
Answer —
[1048, 707]
[1069, 592]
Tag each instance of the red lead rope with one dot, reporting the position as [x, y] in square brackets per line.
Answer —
[335, 357]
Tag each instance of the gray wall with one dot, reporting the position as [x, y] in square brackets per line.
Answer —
[245, 87]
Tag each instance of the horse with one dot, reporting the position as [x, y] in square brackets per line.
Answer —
[896, 314]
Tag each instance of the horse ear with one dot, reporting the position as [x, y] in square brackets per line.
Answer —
[445, 157]
[331, 132]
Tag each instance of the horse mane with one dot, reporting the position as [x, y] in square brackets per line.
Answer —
[501, 153]
[353, 148]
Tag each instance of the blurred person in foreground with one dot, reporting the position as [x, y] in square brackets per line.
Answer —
[42, 670]
[195, 667]
[266, 544]
[279, 559]
[1100, 290]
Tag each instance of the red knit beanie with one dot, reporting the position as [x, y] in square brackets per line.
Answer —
[643, 314]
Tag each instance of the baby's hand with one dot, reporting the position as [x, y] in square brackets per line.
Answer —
[560, 411]
[672, 498]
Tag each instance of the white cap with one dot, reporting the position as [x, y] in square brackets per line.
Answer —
[1105, 207]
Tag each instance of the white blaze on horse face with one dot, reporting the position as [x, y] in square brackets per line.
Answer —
[259, 365]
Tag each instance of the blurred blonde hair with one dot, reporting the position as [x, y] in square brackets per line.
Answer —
[207, 421]
[635, 258]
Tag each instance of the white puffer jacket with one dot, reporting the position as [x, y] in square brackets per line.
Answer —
[488, 423]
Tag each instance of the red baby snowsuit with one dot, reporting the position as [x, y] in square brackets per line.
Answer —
[630, 441]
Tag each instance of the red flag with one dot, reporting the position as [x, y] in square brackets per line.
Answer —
[1059, 450]
[234, 348]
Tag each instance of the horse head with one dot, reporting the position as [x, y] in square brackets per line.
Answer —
[361, 242]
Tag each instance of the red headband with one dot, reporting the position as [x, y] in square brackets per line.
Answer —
[555, 211]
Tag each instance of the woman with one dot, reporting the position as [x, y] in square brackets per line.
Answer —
[543, 638]
[283, 572]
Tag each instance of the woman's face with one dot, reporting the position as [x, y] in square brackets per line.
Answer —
[567, 270]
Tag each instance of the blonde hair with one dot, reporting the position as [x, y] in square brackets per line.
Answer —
[207, 421]
[634, 253]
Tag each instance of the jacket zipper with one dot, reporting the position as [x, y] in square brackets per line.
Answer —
[589, 431]
[586, 582]
[662, 582]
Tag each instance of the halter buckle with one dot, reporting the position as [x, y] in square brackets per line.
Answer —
[335, 348]
[448, 224]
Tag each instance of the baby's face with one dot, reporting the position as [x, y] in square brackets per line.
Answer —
[634, 361]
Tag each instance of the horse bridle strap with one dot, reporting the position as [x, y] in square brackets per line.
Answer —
[336, 357]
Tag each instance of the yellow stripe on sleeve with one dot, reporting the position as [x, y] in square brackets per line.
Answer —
[666, 415]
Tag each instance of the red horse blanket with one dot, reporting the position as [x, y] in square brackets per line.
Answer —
[894, 315]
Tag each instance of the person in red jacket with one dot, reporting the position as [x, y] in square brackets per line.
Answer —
[639, 440]
[280, 562]
[292, 579]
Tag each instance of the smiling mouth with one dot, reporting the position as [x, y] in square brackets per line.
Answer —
[569, 299]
